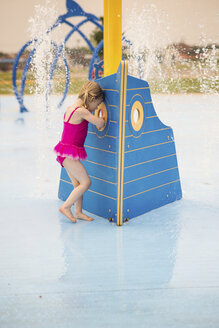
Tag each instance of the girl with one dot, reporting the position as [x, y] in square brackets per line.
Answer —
[70, 149]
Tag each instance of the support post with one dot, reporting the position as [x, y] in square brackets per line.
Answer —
[112, 36]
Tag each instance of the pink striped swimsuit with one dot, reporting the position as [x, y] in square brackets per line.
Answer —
[72, 141]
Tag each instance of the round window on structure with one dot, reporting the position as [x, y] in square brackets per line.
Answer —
[137, 115]
[101, 111]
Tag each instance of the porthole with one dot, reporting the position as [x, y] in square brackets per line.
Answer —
[101, 112]
[137, 115]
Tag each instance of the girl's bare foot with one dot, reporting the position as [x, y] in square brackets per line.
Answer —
[83, 216]
[68, 213]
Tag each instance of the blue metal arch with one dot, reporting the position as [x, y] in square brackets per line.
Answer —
[73, 9]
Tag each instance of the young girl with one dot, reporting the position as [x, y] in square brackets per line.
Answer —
[70, 149]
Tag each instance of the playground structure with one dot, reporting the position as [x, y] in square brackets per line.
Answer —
[132, 161]
[96, 65]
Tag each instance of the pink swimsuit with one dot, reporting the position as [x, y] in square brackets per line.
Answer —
[72, 141]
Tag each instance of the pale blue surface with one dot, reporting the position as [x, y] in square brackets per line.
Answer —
[159, 270]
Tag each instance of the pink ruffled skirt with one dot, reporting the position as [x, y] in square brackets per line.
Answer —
[69, 151]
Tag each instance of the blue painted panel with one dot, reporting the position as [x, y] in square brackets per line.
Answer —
[103, 187]
[138, 171]
[150, 111]
[144, 93]
[65, 189]
[111, 131]
[106, 143]
[149, 182]
[99, 205]
[150, 200]
[134, 82]
[101, 172]
[101, 157]
[147, 154]
[155, 137]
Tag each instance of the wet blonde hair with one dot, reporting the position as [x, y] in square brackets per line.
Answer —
[90, 91]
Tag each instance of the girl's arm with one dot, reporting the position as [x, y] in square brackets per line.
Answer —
[98, 121]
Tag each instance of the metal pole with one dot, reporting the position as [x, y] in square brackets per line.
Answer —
[112, 36]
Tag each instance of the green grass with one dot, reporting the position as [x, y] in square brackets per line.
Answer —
[183, 85]
[78, 76]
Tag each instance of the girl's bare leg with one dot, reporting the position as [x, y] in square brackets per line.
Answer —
[81, 182]
[78, 203]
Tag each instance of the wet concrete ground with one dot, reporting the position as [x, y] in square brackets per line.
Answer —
[158, 270]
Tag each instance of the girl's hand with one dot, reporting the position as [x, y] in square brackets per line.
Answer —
[100, 124]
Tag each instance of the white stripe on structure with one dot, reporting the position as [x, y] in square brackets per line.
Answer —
[152, 189]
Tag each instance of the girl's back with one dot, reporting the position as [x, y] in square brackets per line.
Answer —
[75, 118]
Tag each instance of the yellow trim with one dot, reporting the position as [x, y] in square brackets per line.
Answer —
[113, 106]
[66, 181]
[113, 121]
[138, 88]
[110, 167]
[102, 136]
[123, 139]
[151, 116]
[150, 132]
[129, 151]
[119, 153]
[149, 175]
[151, 160]
[137, 106]
[110, 90]
[124, 68]
[103, 180]
[107, 151]
[101, 194]
[148, 102]
[91, 190]
[157, 130]
[152, 188]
